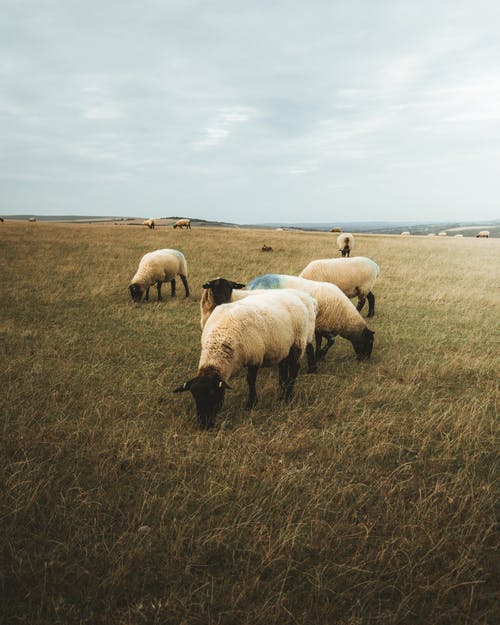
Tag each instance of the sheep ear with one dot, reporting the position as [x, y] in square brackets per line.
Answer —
[183, 387]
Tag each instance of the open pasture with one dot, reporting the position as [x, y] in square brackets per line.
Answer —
[368, 499]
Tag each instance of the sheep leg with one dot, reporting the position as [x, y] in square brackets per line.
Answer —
[252, 393]
[330, 340]
[371, 304]
[319, 337]
[283, 368]
[311, 359]
[293, 371]
[158, 288]
[289, 374]
[172, 287]
[185, 283]
[146, 297]
[361, 302]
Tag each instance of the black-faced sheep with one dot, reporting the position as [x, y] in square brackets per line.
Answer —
[150, 223]
[336, 315]
[354, 276]
[183, 223]
[269, 328]
[158, 267]
[345, 242]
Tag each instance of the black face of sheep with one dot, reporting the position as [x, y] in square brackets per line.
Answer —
[221, 289]
[363, 345]
[136, 292]
[208, 392]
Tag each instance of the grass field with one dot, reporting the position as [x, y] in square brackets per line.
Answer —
[369, 499]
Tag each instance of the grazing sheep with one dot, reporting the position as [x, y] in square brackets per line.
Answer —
[442, 234]
[150, 223]
[483, 234]
[345, 243]
[183, 223]
[158, 267]
[266, 248]
[216, 292]
[335, 230]
[459, 236]
[337, 315]
[32, 219]
[405, 233]
[354, 276]
[2, 220]
[274, 327]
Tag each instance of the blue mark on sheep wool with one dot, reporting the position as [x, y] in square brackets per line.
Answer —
[269, 281]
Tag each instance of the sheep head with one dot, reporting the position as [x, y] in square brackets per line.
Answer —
[222, 289]
[208, 392]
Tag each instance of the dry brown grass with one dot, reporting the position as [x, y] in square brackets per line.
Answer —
[369, 499]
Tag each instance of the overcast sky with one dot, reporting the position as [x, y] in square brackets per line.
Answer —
[251, 111]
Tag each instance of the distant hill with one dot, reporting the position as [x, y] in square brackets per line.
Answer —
[467, 229]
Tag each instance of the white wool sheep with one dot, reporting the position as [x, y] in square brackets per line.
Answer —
[354, 276]
[274, 327]
[158, 267]
[345, 242]
[483, 234]
[442, 234]
[183, 223]
[150, 223]
[337, 315]
[406, 233]
[459, 236]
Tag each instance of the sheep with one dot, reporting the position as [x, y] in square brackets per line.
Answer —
[216, 292]
[157, 267]
[442, 234]
[2, 220]
[354, 276]
[274, 327]
[406, 233]
[336, 313]
[345, 243]
[459, 236]
[335, 230]
[183, 223]
[483, 234]
[32, 220]
[150, 223]
[266, 248]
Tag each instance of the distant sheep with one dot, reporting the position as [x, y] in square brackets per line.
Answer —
[150, 223]
[155, 268]
[354, 276]
[405, 233]
[275, 327]
[32, 220]
[442, 234]
[337, 315]
[2, 220]
[483, 234]
[335, 230]
[459, 236]
[345, 243]
[183, 223]
[266, 248]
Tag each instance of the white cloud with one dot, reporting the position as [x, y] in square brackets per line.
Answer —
[224, 123]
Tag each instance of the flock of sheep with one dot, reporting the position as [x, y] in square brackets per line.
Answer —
[274, 321]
